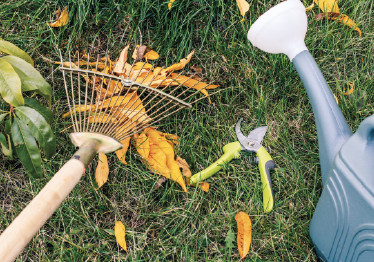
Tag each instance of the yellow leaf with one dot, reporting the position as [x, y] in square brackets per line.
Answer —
[119, 66]
[182, 63]
[309, 7]
[102, 170]
[101, 118]
[328, 5]
[243, 7]
[151, 55]
[121, 153]
[120, 234]
[350, 91]
[62, 19]
[344, 19]
[157, 143]
[192, 83]
[204, 186]
[170, 4]
[244, 237]
[141, 65]
[142, 144]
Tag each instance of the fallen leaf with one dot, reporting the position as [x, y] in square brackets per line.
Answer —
[121, 153]
[142, 144]
[170, 4]
[151, 55]
[120, 234]
[204, 186]
[62, 19]
[332, 9]
[197, 69]
[244, 236]
[328, 5]
[350, 91]
[119, 66]
[182, 163]
[161, 157]
[243, 7]
[344, 19]
[102, 170]
[182, 63]
[139, 52]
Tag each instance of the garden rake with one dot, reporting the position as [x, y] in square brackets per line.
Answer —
[104, 109]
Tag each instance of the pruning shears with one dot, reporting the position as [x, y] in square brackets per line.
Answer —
[250, 143]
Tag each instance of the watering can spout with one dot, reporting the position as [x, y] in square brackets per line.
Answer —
[282, 29]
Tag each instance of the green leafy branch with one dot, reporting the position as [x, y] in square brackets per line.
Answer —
[27, 123]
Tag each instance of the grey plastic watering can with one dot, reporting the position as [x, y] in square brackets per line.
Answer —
[342, 227]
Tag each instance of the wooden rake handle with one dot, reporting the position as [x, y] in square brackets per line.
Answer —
[36, 213]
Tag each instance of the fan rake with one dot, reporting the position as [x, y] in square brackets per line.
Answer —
[104, 109]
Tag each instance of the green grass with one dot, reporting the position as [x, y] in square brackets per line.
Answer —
[167, 224]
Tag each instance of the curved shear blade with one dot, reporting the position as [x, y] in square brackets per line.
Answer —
[258, 134]
[252, 142]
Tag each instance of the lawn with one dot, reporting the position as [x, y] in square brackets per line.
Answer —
[167, 224]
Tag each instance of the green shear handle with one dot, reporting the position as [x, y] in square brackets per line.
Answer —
[230, 150]
[265, 164]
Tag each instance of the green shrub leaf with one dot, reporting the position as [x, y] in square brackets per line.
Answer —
[26, 148]
[11, 49]
[8, 126]
[39, 128]
[6, 146]
[10, 84]
[2, 116]
[31, 79]
[45, 112]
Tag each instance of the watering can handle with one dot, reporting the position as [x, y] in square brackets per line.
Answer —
[332, 129]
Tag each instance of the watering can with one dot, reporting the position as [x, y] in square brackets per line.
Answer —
[342, 227]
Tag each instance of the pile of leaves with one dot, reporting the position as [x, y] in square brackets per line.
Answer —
[157, 149]
[26, 121]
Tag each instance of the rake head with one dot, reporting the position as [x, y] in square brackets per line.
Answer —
[118, 105]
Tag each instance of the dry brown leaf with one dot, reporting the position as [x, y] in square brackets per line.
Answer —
[244, 237]
[62, 19]
[185, 167]
[243, 7]
[121, 153]
[197, 69]
[170, 4]
[204, 186]
[120, 234]
[119, 66]
[182, 63]
[139, 52]
[102, 170]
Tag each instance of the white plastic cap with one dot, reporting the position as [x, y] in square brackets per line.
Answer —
[281, 29]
